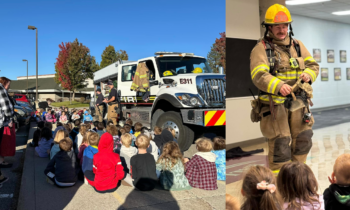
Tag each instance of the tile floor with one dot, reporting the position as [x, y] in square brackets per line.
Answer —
[328, 143]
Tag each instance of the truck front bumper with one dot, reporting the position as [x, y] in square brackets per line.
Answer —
[204, 117]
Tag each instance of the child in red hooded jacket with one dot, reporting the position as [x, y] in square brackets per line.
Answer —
[107, 166]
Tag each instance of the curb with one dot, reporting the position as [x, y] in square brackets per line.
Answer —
[27, 198]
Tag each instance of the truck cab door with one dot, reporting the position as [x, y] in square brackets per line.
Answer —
[153, 77]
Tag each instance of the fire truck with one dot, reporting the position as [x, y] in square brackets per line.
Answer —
[185, 95]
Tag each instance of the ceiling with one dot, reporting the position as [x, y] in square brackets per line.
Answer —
[323, 10]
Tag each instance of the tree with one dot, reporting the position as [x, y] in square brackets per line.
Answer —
[220, 48]
[110, 56]
[213, 59]
[62, 74]
[74, 65]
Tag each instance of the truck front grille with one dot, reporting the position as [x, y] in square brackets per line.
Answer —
[213, 90]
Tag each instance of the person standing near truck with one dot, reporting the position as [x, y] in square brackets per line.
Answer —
[99, 105]
[277, 63]
[112, 103]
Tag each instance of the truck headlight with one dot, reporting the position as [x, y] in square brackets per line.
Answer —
[189, 99]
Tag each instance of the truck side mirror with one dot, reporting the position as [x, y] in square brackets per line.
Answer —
[154, 82]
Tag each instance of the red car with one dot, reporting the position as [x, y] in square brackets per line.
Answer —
[21, 97]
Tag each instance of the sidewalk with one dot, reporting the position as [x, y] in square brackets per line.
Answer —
[36, 193]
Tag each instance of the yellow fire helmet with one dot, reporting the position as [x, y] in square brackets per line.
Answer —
[277, 14]
[167, 73]
[197, 70]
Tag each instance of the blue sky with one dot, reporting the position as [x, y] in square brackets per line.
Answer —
[141, 27]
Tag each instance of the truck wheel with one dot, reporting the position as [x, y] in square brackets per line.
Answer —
[184, 135]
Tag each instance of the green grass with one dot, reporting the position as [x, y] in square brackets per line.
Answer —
[67, 104]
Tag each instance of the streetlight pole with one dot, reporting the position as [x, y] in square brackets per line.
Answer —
[27, 74]
[34, 28]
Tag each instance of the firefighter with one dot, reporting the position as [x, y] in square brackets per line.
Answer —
[276, 64]
[99, 105]
[112, 103]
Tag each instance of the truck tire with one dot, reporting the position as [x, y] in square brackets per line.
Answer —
[184, 134]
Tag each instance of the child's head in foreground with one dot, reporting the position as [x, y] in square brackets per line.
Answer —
[126, 140]
[129, 122]
[94, 138]
[48, 125]
[157, 130]
[96, 124]
[41, 125]
[204, 145]
[142, 142]
[112, 129]
[341, 170]
[219, 143]
[82, 129]
[171, 154]
[137, 127]
[296, 181]
[76, 123]
[100, 126]
[66, 144]
[259, 189]
[61, 134]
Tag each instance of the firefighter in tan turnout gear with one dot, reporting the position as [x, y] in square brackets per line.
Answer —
[112, 103]
[277, 62]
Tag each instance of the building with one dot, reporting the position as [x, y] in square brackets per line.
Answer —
[48, 88]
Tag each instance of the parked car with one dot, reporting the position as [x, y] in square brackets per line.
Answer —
[26, 106]
[21, 115]
[21, 97]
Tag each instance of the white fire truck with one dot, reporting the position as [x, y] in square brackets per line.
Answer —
[185, 94]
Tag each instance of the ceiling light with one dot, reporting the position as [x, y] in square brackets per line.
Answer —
[342, 13]
[298, 2]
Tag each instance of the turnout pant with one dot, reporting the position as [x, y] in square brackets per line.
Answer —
[289, 137]
[112, 114]
[100, 114]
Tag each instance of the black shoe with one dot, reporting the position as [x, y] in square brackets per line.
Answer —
[5, 179]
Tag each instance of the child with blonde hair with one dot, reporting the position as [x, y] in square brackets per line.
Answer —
[61, 134]
[201, 169]
[126, 152]
[259, 190]
[83, 145]
[337, 195]
[143, 166]
[171, 165]
[298, 187]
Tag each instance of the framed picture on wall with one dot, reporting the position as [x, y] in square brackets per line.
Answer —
[317, 55]
[330, 56]
[342, 56]
[337, 74]
[324, 74]
[348, 73]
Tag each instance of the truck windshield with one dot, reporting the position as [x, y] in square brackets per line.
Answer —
[169, 66]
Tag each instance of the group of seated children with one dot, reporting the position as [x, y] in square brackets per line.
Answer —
[62, 115]
[130, 153]
[295, 187]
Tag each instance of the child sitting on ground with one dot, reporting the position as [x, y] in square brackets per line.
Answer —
[107, 168]
[171, 165]
[79, 137]
[142, 166]
[337, 195]
[49, 126]
[126, 152]
[50, 117]
[75, 130]
[220, 152]
[157, 138]
[62, 170]
[83, 146]
[61, 134]
[298, 187]
[63, 118]
[87, 117]
[38, 114]
[130, 122]
[259, 190]
[88, 156]
[44, 143]
[37, 133]
[95, 126]
[201, 169]
[112, 129]
[128, 130]
[137, 127]
[100, 129]
[75, 116]
[152, 149]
